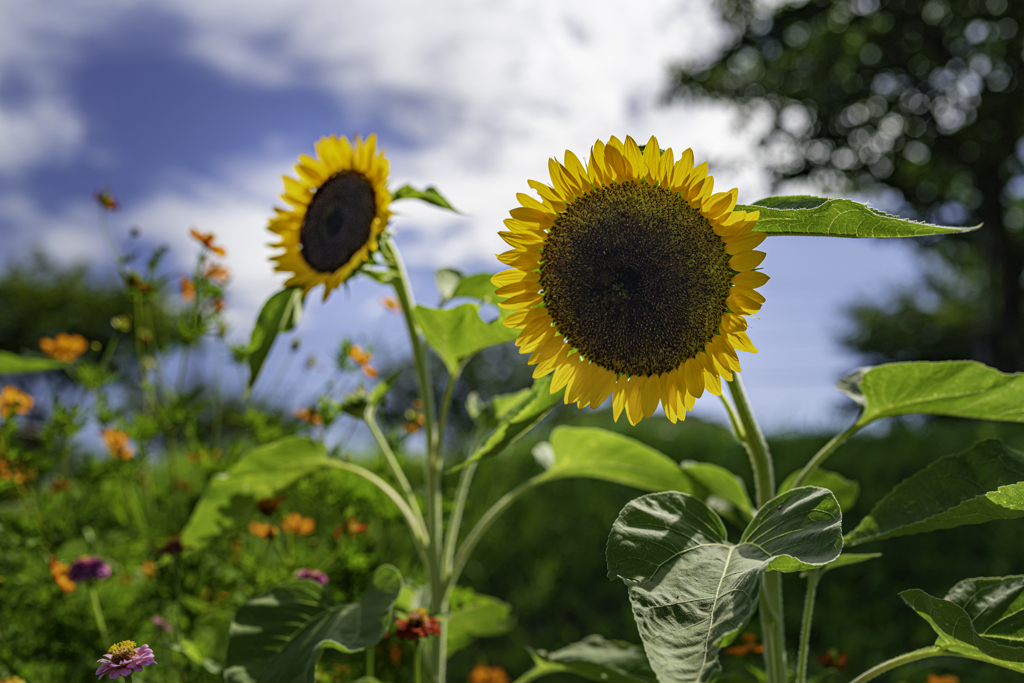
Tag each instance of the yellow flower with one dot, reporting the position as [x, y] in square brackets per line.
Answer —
[14, 401]
[630, 278]
[64, 347]
[481, 673]
[118, 445]
[295, 523]
[339, 208]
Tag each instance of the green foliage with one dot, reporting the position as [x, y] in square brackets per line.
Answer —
[278, 637]
[845, 490]
[722, 483]
[982, 484]
[280, 313]
[801, 215]
[596, 659]
[452, 284]
[518, 417]
[456, 334]
[429, 195]
[953, 388]
[978, 618]
[13, 364]
[690, 588]
[477, 616]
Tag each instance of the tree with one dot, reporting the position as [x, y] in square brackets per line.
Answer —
[920, 97]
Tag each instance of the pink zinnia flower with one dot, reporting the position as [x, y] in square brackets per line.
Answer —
[315, 574]
[124, 659]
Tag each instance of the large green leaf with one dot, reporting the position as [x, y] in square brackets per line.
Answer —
[982, 484]
[845, 490]
[262, 473]
[458, 333]
[960, 388]
[452, 283]
[821, 216]
[979, 618]
[279, 314]
[531, 408]
[13, 364]
[481, 616]
[276, 638]
[690, 587]
[429, 195]
[594, 453]
[721, 482]
[596, 659]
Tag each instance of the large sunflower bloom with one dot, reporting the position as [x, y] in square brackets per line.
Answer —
[630, 278]
[339, 208]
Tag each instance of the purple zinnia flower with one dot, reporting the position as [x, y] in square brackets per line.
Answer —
[124, 659]
[315, 574]
[89, 568]
[162, 623]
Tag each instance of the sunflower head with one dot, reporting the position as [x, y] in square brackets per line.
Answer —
[631, 278]
[338, 208]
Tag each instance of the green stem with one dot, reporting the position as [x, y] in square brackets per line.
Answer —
[535, 673]
[907, 658]
[754, 441]
[97, 612]
[371, 655]
[370, 417]
[826, 450]
[734, 420]
[446, 404]
[805, 626]
[455, 518]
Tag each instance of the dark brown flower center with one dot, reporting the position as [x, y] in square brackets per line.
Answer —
[338, 220]
[634, 278]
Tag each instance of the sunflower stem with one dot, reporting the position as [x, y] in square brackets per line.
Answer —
[819, 457]
[805, 626]
[907, 658]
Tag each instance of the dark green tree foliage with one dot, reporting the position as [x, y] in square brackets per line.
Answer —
[917, 96]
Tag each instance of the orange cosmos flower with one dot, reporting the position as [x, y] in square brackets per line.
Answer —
[106, 200]
[14, 401]
[309, 416]
[188, 290]
[118, 444]
[481, 673]
[748, 646]
[392, 304]
[262, 529]
[294, 523]
[59, 571]
[64, 347]
[217, 273]
[207, 240]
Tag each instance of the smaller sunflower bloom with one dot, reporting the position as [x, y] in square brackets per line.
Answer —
[263, 530]
[59, 571]
[14, 401]
[118, 444]
[314, 574]
[207, 240]
[216, 273]
[269, 505]
[123, 659]
[188, 290]
[309, 416]
[482, 673]
[64, 347]
[392, 304]
[89, 568]
[161, 623]
[295, 523]
[106, 200]
[149, 568]
[748, 646]
[417, 624]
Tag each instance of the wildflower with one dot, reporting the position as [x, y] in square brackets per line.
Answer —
[417, 624]
[216, 273]
[351, 527]
[59, 571]
[395, 654]
[138, 283]
[748, 646]
[15, 401]
[64, 347]
[481, 673]
[831, 659]
[263, 530]
[309, 416]
[269, 505]
[219, 305]
[207, 240]
[59, 484]
[188, 290]
[123, 659]
[645, 281]
[118, 445]
[149, 568]
[414, 421]
[106, 200]
[161, 623]
[315, 574]
[338, 209]
[294, 523]
[362, 359]
[89, 568]
[15, 472]
[942, 678]
[392, 304]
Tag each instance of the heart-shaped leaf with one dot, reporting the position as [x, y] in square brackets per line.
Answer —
[954, 388]
[690, 587]
[456, 334]
[596, 659]
[979, 618]
[13, 364]
[982, 484]
[594, 453]
[276, 638]
[821, 216]
[279, 314]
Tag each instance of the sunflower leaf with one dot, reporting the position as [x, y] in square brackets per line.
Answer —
[721, 482]
[821, 216]
[452, 283]
[456, 334]
[596, 659]
[979, 618]
[982, 484]
[429, 195]
[845, 490]
[690, 587]
[279, 314]
[13, 364]
[952, 388]
[481, 616]
[276, 638]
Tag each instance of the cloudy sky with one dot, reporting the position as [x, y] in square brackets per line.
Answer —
[191, 110]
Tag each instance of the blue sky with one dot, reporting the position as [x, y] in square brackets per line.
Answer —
[191, 110]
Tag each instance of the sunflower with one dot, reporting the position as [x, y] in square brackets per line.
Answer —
[630, 278]
[339, 208]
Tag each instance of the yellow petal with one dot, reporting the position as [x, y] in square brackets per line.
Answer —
[604, 384]
[748, 260]
[634, 413]
[751, 278]
[564, 372]
[650, 395]
[549, 364]
[738, 303]
[694, 376]
[576, 168]
[652, 159]
[746, 243]
[517, 320]
[741, 341]
[528, 300]
[682, 169]
[619, 400]
[720, 204]
[510, 277]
